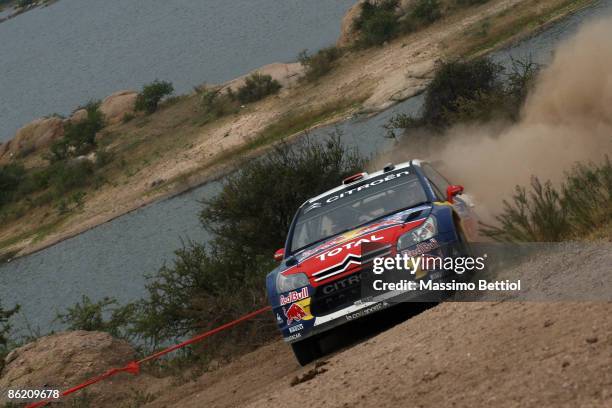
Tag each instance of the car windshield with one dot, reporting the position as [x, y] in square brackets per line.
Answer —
[356, 205]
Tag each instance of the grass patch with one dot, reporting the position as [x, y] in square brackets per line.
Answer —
[295, 123]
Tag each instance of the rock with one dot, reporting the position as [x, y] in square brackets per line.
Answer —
[285, 74]
[117, 105]
[78, 116]
[63, 360]
[33, 136]
[348, 35]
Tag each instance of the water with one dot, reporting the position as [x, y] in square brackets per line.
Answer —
[55, 58]
[112, 259]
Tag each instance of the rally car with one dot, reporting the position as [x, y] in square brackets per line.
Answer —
[404, 208]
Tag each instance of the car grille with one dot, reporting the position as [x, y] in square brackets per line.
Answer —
[337, 295]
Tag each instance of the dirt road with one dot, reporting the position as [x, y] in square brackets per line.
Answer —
[455, 354]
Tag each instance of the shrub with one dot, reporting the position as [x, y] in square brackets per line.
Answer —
[79, 138]
[148, 99]
[427, 11]
[319, 64]
[104, 315]
[456, 81]
[377, 23]
[253, 212]
[550, 214]
[5, 329]
[256, 87]
[68, 176]
[208, 285]
[460, 91]
[11, 176]
[216, 104]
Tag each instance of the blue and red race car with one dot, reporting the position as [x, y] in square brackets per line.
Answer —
[404, 208]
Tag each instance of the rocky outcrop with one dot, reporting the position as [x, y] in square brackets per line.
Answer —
[117, 105]
[78, 116]
[33, 136]
[348, 34]
[62, 360]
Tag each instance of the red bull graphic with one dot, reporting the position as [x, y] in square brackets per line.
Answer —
[294, 296]
[295, 313]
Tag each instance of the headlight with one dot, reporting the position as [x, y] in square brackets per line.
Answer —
[428, 230]
[290, 282]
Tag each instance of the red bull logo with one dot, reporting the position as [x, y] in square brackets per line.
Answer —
[294, 296]
[295, 313]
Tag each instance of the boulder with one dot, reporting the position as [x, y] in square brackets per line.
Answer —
[115, 106]
[78, 116]
[63, 360]
[348, 35]
[33, 136]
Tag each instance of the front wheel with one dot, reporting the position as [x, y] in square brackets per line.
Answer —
[306, 351]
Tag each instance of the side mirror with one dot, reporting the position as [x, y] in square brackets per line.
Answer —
[279, 255]
[452, 191]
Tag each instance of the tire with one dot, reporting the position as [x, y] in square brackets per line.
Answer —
[306, 351]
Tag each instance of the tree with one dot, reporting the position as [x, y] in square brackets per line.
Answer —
[80, 137]
[150, 96]
[252, 214]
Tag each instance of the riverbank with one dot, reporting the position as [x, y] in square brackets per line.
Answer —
[167, 153]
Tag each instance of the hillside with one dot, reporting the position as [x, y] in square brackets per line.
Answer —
[156, 156]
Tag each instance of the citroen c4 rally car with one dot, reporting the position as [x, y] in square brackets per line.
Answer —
[404, 208]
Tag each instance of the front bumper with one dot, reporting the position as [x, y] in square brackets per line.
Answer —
[352, 302]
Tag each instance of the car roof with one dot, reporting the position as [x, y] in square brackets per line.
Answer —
[368, 176]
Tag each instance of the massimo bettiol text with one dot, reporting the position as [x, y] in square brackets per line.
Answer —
[424, 269]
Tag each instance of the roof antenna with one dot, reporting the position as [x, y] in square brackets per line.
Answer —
[388, 167]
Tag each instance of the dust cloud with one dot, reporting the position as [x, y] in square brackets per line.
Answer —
[567, 118]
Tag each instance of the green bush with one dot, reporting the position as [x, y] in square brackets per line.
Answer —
[549, 214]
[80, 137]
[465, 91]
[215, 104]
[319, 64]
[377, 23]
[252, 214]
[427, 11]
[151, 95]
[5, 329]
[104, 315]
[208, 285]
[11, 176]
[456, 81]
[67, 176]
[256, 87]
